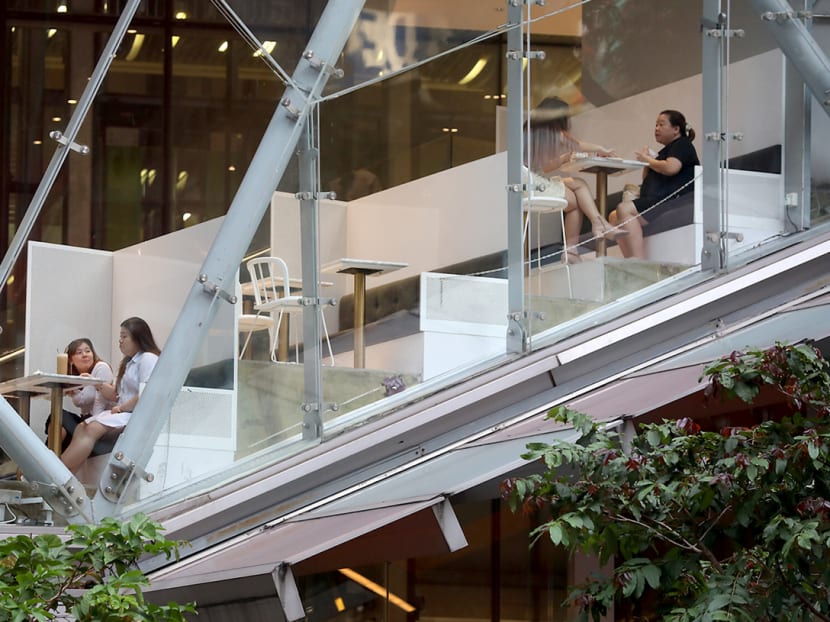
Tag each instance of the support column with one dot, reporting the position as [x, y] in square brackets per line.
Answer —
[517, 339]
[713, 25]
[310, 233]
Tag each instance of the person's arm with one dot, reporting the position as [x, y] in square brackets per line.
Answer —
[597, 149]
[145, 367]
[669, 167]
[108, 390]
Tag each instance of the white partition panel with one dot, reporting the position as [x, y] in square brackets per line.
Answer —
[457, 329]
[151, 280]
[68, 295]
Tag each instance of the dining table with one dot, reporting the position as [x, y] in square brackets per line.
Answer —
[360, 269]
[46, 385]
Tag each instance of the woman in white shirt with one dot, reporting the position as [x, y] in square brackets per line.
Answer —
[140, 352]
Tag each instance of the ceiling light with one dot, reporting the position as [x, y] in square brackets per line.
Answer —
[267, 46]
[186, 216]
[62, 8]
[71, 102]
[37, 142]
[56, 119]
[135, 48]
[481, 63]
[51, 33]
[223, 47]
[231, 168]
[377, 589]
[181, 15]
[174, 40]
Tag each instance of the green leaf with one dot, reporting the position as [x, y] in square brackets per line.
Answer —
[652, 575]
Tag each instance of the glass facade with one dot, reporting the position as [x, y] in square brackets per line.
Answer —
[420, 219]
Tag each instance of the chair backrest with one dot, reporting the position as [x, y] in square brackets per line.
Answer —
[269, 275]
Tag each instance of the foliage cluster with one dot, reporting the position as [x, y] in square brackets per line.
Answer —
[90, 575]
[710, 525]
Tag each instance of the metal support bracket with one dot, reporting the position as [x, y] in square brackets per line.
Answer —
[212, 288]
[121, 475]
[517, 325]
[529, 54]
[63, 140]
[784, 16]
[292, 110]
[526, 2]
[311, 196]
[723, 33]
[318, 63]
[287, 592]
[722, 136]
[68, 500]
[309, 301]
[715, 237]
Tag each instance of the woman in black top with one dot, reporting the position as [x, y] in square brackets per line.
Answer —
[668, 174]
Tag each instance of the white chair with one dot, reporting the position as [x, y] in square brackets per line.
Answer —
[272, 296]
[545, 196]
[249, 323]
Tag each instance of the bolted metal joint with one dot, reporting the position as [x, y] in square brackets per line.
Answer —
[293, 111]
[318, 63]
[63, 140]
[214, 289]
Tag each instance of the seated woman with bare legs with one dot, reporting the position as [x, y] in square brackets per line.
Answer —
[140, 352]
[551, 145]
[668, 173]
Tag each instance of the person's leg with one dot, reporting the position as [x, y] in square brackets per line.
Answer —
[600, 227]
[628, 219]
[82, 443]
[573, 226]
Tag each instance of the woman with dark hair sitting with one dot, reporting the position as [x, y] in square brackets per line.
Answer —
[140, 352]
[84, 361]
[668, 173]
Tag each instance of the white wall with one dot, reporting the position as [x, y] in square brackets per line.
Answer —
[428, 223]
[755, 109]
[151, 280]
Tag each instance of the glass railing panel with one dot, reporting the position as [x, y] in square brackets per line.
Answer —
[754, 126]
[819, 211]
[385, 246]
[590, 137]
[388, 41]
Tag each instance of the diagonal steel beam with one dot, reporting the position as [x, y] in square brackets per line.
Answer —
[215, 284]
[799, 46]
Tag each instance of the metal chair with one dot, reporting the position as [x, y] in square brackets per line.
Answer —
[249, 323]
[272, 296]
[543, 196]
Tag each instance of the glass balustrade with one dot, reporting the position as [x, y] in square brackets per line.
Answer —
[411, 170]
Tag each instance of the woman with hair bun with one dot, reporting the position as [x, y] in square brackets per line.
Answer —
[668, 174]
